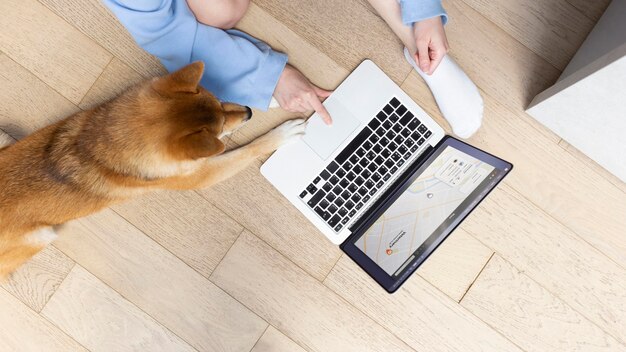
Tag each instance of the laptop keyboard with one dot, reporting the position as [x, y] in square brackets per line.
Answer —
[365, 165]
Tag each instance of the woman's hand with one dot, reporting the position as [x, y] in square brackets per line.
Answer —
[295, 93]
[432, 44]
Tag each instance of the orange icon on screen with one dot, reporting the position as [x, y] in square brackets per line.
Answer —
[389, 251]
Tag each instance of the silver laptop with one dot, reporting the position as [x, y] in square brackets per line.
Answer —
[335, 173]
[384, 182]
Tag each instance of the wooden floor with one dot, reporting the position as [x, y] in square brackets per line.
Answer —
[540, 266]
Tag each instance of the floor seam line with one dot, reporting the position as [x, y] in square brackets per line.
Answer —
[46, 319]
[476, 277]
[127, 299]
[44, 83]
[59, 286]
[94, 82]
[525, 273]
[512, 37]
[321, 283]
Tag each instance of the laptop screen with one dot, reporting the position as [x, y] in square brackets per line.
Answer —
[426, 208]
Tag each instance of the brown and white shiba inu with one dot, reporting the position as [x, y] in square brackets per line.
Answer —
[161, 134]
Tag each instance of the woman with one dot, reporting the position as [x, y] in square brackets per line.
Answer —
[242, 69]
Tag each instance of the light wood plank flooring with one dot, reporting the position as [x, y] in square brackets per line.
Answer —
[540, 266]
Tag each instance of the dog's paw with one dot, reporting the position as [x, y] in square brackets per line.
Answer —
[291, 131]
[288, 132]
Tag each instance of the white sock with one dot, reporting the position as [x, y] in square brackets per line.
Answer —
[274, 103]
[457, 96]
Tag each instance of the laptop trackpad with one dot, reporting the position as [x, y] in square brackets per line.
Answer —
[325, 139]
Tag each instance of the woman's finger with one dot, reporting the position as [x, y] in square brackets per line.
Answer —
[317, 105]
[423, 58]
[322, 93]
[436, 55]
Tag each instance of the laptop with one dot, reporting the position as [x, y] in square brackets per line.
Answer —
[383, 182]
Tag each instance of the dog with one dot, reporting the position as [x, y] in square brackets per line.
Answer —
[164, 133]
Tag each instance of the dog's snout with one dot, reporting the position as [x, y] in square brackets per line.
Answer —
[248, 113]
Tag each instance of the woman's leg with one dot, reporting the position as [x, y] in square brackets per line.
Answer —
[222, 14]
[389, 10]
[457, 96]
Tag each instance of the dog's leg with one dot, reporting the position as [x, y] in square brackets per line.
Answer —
[13, 255]
[230, 163]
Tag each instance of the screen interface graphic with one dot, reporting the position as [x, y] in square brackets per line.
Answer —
[425, 205]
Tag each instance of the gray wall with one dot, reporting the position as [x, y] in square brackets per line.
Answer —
[608, 34]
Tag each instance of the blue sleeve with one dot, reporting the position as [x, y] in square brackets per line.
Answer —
[238, 68]
[417, 10]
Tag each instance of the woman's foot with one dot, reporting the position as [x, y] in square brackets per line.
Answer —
[457, 96]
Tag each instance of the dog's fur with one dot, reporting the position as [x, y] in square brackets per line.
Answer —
[162, 134]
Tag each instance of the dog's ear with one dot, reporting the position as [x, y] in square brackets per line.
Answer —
[185, 80]
[200, 144]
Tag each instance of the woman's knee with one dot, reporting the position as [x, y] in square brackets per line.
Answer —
[223, 14]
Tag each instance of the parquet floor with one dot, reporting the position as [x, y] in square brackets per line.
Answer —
[540, 266]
